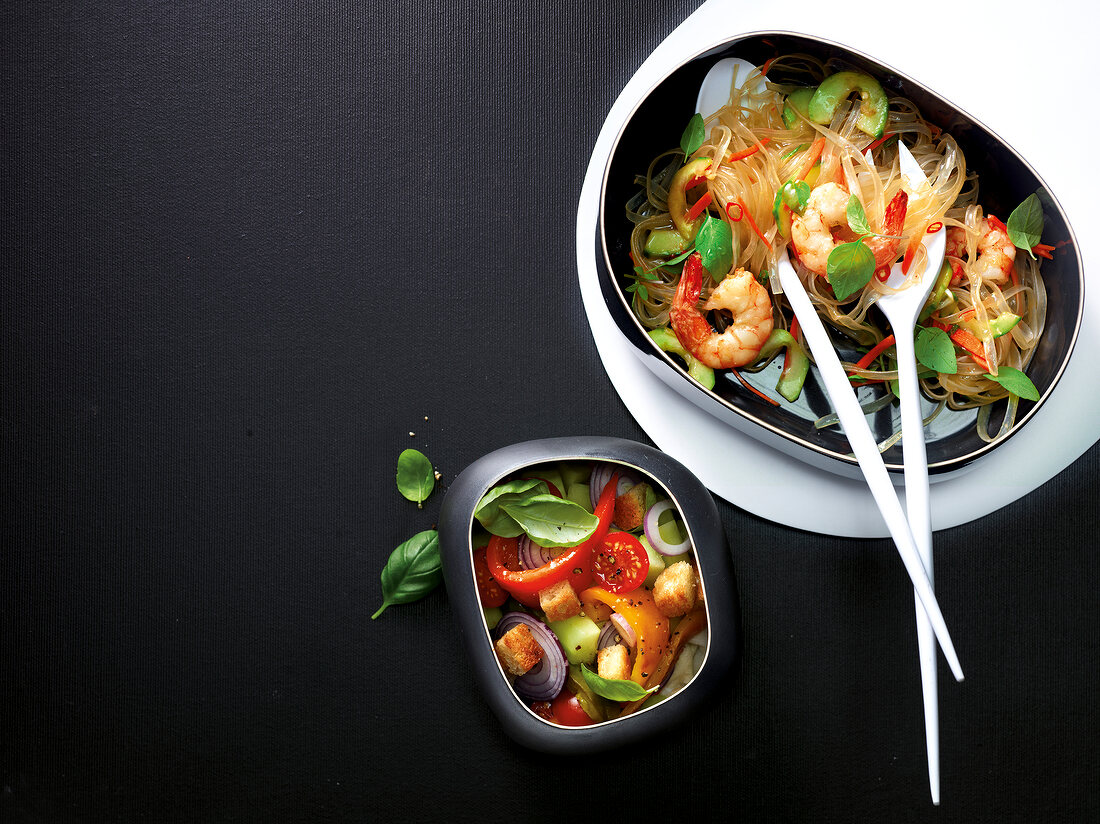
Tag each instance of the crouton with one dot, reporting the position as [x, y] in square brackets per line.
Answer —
[559, 601]
[674, 590]
[613, 662]
[630, 507]
[518, 649]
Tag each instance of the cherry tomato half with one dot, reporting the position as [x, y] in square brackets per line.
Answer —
[621, 563]
[489, 591]
[568, 712]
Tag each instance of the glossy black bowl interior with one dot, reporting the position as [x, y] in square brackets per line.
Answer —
[1006, 179]
[714, 565]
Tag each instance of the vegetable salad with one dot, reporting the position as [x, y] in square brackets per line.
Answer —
[591, 590]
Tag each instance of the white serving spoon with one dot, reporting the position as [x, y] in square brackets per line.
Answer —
[717, 87]
[901, 309]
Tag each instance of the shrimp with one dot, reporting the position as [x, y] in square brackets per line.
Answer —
[740, 294]
[813, 235]
[996, 253]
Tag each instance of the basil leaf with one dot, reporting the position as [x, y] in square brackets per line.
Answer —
[1015, 382]
[936, 351]
[714, 242]
[857, 218]
[615, 689]
[850, 268]
[497, 521]
[551, 521]
[415, 476]
[1025, 224]
[693, 135]
[413, 570]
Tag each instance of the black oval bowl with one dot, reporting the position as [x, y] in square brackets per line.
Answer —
[953, 444]
[700, 515]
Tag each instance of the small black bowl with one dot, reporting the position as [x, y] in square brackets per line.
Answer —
[700, 515]
[1006, 179]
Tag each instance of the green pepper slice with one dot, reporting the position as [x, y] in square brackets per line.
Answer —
[790, 199]
[796, 363]
[677, 196]
[797, 101]
[667, 341]
[873, 107]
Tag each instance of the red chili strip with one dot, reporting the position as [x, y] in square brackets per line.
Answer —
[698, 206]
[753, 389]
[875, 351]
[934, 227]
[1043, 250]
[748, 216]
[879, 142]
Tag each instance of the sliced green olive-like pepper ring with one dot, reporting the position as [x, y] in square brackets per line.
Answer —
[873, 107]
[677, 196]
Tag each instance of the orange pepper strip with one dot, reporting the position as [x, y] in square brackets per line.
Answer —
[967, 341]
[749, 152]
[812, 156]
[698, 207]
[753, 389]
[649, 625]
[689, 625]
[910, 252]
[593, 608]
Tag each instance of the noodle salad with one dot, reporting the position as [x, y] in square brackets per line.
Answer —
[803, 161]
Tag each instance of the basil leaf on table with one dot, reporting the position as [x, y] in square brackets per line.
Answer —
[415, 476]
[615, 689]
[1015, 382]
[551, 521]
[936, 351]
[413, 570]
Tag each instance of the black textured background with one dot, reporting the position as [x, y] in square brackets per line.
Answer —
[250, 252]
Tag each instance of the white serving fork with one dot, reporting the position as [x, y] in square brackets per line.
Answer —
[902, 309]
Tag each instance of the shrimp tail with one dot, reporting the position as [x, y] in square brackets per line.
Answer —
[886, 248]
[687, 321]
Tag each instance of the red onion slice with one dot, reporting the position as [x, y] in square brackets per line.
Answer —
[601, 474]
[653, 534]
[626, 632]
[545, 680]
[531, 555]
[597, 480]
[609, 636]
